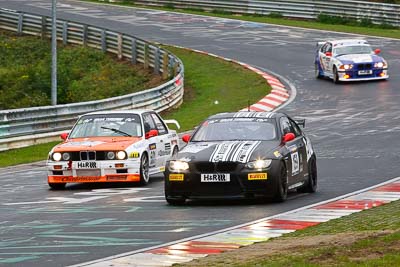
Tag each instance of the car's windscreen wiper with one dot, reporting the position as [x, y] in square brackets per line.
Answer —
[115, 130]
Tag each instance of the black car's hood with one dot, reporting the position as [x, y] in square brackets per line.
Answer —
[237, 151]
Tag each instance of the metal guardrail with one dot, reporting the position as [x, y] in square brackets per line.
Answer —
[21, 127]
[305, 9]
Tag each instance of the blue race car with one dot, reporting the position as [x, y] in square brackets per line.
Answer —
[349, 60]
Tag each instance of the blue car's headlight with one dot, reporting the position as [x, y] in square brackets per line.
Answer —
[379, 65]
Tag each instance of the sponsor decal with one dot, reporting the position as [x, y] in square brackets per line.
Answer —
[152, 146]
[134, 155]
[83, 143]
[246, 114]
[215, 177]
[87, 165]
[162, 169]
[257, 176]
[277, 154]
[174, 142]
[195, 148]
[292, 148]
[238, 151]
[78, 179]
[176, 177]
[116, 178]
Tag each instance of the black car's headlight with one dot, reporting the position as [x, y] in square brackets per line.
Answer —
[259, 164]
[178, 166]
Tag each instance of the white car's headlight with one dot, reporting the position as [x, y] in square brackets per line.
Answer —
[110, 155]
[56, 156]
[177, 166]
[121, 155]
[379, 65]
[259, 164]
[66, 156]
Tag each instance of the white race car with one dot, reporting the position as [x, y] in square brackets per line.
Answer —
[349, 60]
[112, 146]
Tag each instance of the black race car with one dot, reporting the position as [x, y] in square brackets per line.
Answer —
[243, 154]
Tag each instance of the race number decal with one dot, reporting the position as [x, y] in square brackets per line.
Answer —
[295, 163]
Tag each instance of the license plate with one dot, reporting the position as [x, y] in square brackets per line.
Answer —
[215, 177]
[90, 173]
[364, 72]
[86, 165]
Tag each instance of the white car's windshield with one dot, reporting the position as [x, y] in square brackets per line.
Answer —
[236, 129]
[107, 125]
[354, 49]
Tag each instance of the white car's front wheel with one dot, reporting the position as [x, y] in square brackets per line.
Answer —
[144, 170]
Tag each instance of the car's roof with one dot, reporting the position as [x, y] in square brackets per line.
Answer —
[246, 114]
[133, 111]
[348, 42]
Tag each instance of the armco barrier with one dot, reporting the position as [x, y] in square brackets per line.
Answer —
[306, 9]
[21, 127]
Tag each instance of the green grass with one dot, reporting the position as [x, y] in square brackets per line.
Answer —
[83, 74]
[207, 80]
[26, 154]
[391, 33]
[376, 234]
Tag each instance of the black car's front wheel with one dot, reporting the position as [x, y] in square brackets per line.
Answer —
[281, 188]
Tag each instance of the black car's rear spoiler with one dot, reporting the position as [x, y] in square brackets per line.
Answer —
[301, 122]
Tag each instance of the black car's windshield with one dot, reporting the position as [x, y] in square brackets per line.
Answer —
[354, 49]
[236, 129]
[107, 125]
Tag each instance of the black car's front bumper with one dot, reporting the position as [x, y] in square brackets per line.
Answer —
[244, 183]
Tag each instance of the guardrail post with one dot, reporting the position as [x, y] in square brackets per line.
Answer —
[120, 46]
[146, 56]
[133, 52]
[165, 73]
[157, 61]
[20, 22]
[43, 31]
[85, 35]
[103, 41]
[65, 33]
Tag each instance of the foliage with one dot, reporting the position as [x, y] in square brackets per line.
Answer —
[83, 74]
[345, 20]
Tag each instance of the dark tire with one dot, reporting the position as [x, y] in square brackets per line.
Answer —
[57, 186]
[317, 73]
[281, 185]
[176, 201]
[144, 170]
[335, 75]
[311, 183]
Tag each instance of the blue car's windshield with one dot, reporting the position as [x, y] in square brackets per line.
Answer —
[231, 129]
[354, 49]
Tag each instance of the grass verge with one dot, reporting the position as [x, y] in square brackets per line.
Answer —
[390, 33]
[207, 80]
[367, 238]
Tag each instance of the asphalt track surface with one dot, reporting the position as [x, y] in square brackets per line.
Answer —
[354, 128]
